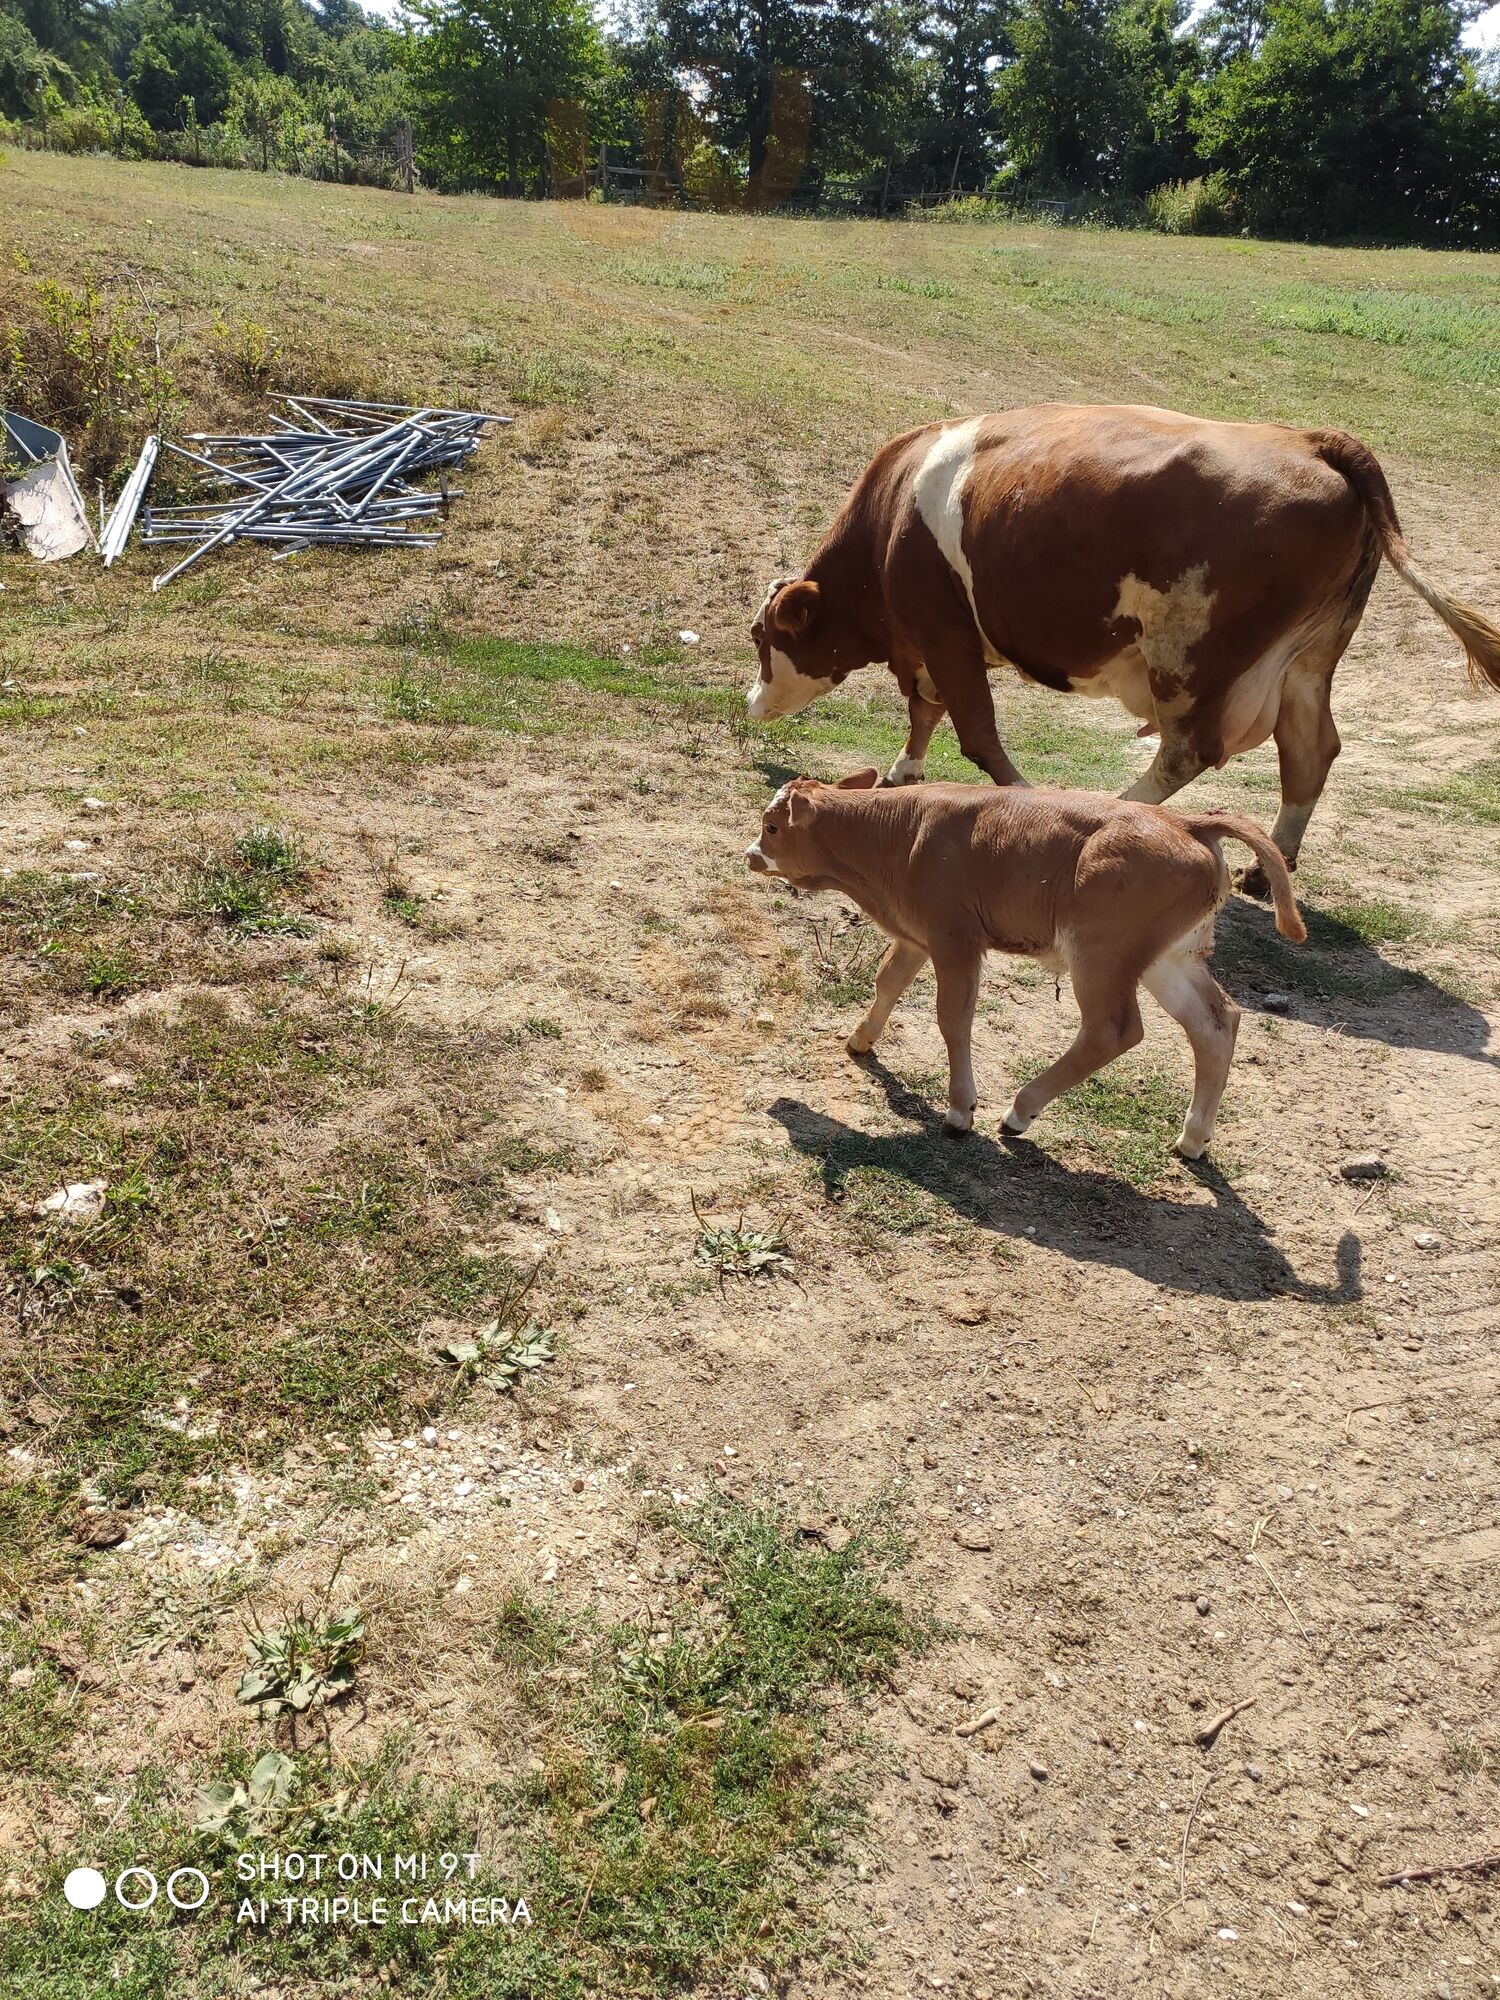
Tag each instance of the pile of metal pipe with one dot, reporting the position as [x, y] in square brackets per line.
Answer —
[334, 470]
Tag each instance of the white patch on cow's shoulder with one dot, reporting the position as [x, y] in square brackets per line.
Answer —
[1171, 621]
[938, 491]
[906, 770]
[783, 691]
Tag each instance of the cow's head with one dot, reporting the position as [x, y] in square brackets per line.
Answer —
[789, 845]
[804, 649]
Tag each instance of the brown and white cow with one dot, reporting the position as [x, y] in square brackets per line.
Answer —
[1207, 575]
[1114, 893]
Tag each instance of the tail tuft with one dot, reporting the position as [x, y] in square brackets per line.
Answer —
[1211, 828]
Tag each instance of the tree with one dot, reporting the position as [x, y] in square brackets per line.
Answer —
[260, 106]
[789, 88]
[1066, 105]
[962, 44]
[483, 74]
[176, 60]
[1354, 116]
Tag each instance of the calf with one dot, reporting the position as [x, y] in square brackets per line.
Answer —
[1116, 893]
[1206, 575]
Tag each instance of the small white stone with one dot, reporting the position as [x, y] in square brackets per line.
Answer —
[78, 1202]
[688, 638]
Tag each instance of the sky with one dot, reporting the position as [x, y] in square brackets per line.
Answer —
[1485, 33]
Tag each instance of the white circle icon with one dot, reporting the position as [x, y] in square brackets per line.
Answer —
[180, 1902]
[148, 1882]
[85, 1888]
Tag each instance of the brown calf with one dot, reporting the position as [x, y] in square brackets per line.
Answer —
[1116, 893]
[1207, 575]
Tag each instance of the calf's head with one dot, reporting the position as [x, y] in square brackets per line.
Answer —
[790, 844]
[805, 649]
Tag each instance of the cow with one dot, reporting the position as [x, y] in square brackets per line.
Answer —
[1207, 575]
[1116, 893]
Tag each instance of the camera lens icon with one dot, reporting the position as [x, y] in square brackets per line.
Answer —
[136, 1889]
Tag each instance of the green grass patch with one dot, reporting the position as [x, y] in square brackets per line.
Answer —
[1125, 1118]
[675, 1833]
[1472, 794]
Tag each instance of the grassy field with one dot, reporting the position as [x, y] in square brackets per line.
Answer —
[521, 1392]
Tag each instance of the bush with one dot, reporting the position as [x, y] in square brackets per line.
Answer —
[1201, 207]
[87, 364]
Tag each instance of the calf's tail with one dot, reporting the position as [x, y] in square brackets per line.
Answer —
[1474, 632]
[1211, 828]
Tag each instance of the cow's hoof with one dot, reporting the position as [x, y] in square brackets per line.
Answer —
[957, 1124]
[1014, 1123]
[859, 1043]
[902, 773]
[1188, 1148]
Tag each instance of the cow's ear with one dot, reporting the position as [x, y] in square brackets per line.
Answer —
[860, 781]
[794, 610]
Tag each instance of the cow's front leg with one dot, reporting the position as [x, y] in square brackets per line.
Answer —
[911, 766]
[900, 966]
[957, 995]
[1177, 762]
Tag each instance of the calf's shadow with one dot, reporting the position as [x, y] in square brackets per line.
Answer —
[1015, 1189]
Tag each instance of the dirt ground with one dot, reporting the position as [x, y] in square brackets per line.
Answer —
[1167, 1440]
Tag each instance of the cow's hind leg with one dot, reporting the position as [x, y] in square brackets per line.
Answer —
[1307, 742]
[900, 966]
[1181, 983]
[1110, 1024]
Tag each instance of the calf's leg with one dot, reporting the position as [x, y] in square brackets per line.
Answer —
[957, 995]
[900, 966]
[1181, 984]
[1110, 1024]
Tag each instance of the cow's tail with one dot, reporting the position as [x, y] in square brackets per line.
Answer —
[1474, 632]
[1211, 828]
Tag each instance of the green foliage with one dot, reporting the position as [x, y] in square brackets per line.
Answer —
[1295, 117]
[88, 362]
[1343, 115]
[244, 887]
[1199, 207]
[181, 68]
[489, 78]
[304, 1664]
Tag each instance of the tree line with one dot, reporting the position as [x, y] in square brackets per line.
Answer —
[1304, 118]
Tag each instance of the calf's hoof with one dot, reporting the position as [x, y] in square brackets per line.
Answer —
[1015, 1122]
[1190, 1146]
[957, 1124]
[860, 1043]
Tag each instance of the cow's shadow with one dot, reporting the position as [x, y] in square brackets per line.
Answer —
[1339, 977]
[1015, 1189]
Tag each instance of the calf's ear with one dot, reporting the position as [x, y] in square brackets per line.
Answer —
[860, 781]
[794, 610]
